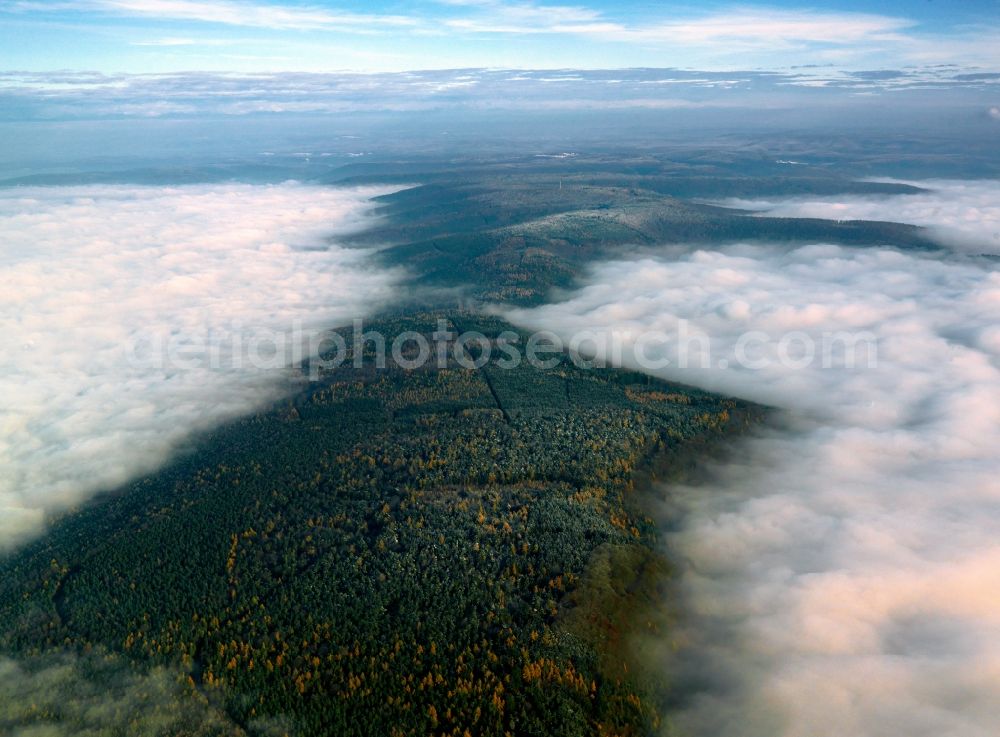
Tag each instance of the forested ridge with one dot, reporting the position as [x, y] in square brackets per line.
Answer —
[449, 551]
[511, 238]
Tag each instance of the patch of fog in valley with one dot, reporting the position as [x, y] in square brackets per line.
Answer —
[962, 214]
[135, 316]
[842, 574]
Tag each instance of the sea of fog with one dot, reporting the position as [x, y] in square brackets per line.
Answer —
[842, 574]
[135, 316]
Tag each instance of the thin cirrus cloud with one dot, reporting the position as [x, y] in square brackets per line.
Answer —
[768, 27]
[753, 25]
[489, 16]
[777, 36]
[184, 42]
[261, 15]
[125, 312]
[620, 36]
[842, 574]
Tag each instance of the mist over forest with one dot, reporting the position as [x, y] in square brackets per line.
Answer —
[499, 368]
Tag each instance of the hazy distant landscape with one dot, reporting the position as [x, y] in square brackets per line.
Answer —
[605, 370]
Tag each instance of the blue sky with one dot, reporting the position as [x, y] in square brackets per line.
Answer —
[141, 36]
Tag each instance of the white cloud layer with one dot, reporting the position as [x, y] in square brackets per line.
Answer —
[961, 214]
[94, 278]
[93, 96]
[842, 576]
